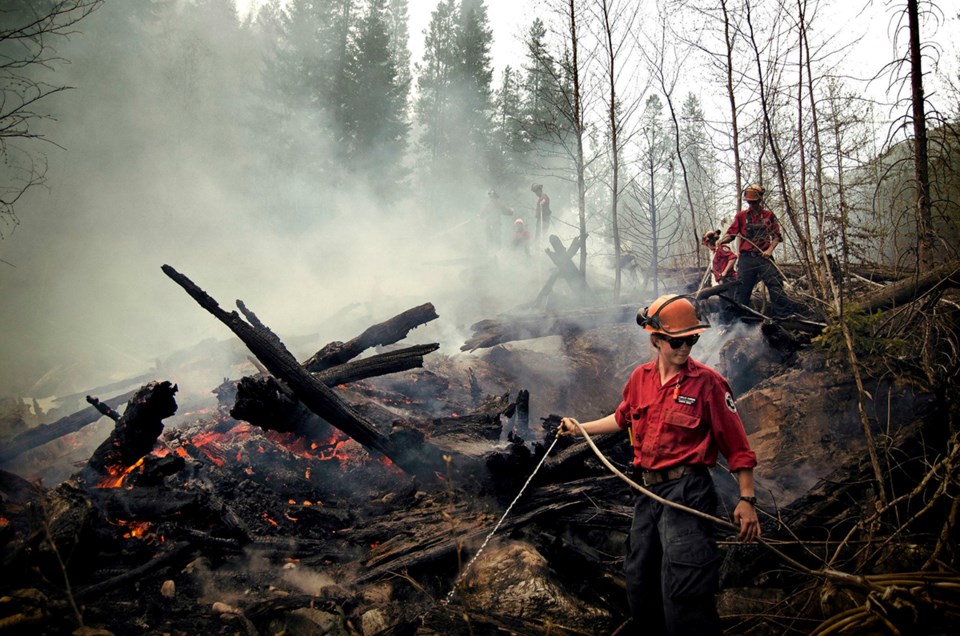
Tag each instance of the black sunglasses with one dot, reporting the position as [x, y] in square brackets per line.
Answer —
[676, 343]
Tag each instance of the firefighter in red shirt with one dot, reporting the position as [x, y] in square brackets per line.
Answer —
[681, 413]
[759, 234]
[723, 261]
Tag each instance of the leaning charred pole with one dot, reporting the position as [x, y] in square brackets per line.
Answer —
[408, 451]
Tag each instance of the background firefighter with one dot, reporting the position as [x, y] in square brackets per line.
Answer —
[723, 259]
[759, 234]
[542, 212]
[680, 414]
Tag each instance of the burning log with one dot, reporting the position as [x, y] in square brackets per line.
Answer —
[413, 455]
[136, 431]
[272, 406]
[48, 432]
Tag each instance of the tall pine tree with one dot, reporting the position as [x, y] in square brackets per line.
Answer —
[454, 104]
[375, 104]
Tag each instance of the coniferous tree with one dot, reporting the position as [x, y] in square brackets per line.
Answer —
[399, 32]
[454, 104]
[543, 120]
[474, 73]
[652, 222]
[700, 159]
[375, 104]
[436, 73]
[510, 140]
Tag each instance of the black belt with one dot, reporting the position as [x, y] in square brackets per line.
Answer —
[654, 477]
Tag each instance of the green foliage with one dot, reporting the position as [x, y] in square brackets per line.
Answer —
[870, 347]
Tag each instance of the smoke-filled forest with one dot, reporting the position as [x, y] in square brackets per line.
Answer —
[300, 151]
[525, 184]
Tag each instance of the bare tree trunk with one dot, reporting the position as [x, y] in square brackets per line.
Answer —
[655, 247]
[806, 250]
[577, 113]
[731, 96]
[614, 145]
[921, 164]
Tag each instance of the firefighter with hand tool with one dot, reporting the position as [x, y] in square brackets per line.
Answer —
[759, 234]
[680, 414]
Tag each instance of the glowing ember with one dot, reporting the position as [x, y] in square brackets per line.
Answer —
[269, 520]
[137, 530]
[213, 444]
[117, 475]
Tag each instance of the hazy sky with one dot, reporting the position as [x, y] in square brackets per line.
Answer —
[85, 297]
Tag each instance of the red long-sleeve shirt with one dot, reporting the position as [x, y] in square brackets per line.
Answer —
[721, 258]
[758, 228]
[687, 421]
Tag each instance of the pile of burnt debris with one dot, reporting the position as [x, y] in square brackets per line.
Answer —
[348, 495]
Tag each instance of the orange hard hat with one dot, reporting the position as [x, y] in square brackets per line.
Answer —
[672, 315]
[753, 192]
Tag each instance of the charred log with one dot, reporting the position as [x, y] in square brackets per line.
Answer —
[488, 333]
[104, 408]
[147, 503]
[48, 432]
[381, 364]
[566, 269]
[384, 333]
[910, 289]
[136, 431]
[422, 459]
[169, 557]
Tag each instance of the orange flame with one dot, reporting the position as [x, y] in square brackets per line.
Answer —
[137, 530]
[117, 474]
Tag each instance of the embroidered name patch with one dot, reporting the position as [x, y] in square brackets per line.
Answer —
[728, 399]
[686, 399]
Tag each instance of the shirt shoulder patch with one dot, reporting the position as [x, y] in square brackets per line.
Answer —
[728, 400]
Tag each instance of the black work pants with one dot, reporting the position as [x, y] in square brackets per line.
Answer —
[672, 564]
[752, 268]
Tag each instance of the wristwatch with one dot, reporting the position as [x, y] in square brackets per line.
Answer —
[750, 500]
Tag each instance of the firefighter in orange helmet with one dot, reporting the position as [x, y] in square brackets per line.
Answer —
[759, 233]
[681, 414]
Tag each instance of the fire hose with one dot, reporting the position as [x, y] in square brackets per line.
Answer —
[875, 586]
[885, 593]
